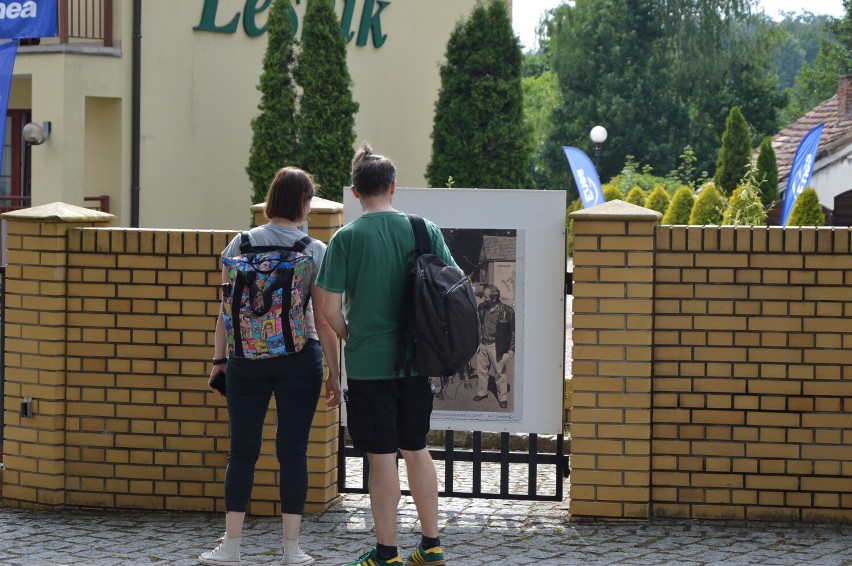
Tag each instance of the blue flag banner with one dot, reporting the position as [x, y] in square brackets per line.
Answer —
[585, 175]
[8, 51]
[800, 172]
[32, 18]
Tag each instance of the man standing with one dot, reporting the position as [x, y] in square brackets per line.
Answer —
[363, 275]
[497, 348]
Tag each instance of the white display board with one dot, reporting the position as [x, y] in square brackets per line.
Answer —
[512, 240]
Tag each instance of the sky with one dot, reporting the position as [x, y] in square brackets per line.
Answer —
[526, 13]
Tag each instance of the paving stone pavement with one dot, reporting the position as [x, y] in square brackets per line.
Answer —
[474, 532]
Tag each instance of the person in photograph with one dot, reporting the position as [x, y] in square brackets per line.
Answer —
[294, 379]
[497, 347]
[363, 276]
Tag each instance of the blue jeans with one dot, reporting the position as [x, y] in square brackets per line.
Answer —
[295, 380]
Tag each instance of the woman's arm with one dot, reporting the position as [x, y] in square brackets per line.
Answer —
[328, 341]
[220, 349]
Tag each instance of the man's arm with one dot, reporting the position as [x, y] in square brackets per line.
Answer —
[332, 310]
[510, 317]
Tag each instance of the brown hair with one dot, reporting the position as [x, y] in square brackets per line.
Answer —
[372, 174]
[289, 191]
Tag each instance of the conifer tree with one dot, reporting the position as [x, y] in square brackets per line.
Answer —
[680, 207]
[636, 196]
[479, 137]
[735, 153]
[767, 171]
[326, 108]
[807, 211]
[611, 192]
[274, 130]
[708, 207]
[658, 200]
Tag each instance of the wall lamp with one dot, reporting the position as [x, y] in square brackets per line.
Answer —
[36, 135]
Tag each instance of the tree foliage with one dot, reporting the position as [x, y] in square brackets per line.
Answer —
[636, 196]
[735, 154]
[807, 211]
[659, 75]
[658, 200]
[326, 109]
[708, 208]
[680, 207]
[745, 207]
[818, 82]
[274, 129]
[479, 136]
[767, 172]
[611, 192]
[575, 205]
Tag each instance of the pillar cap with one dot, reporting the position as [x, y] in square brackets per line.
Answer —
[58, 212]
[617, 210]
[317, 205]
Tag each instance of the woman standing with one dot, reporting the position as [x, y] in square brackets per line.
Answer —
[295, 380]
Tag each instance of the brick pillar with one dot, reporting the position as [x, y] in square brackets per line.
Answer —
[35, 356]
[611, 383]
[325, 218]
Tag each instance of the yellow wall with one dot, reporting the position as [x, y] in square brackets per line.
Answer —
[712, 374]
[198, 98]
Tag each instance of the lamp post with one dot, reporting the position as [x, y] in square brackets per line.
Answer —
[598, 135]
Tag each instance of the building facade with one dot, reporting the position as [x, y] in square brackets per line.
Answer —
[187, 73]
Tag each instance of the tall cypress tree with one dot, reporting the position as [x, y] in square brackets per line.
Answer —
[767, 172]
[735, 153]
[326, 109]
[478, 137]
[274, 142]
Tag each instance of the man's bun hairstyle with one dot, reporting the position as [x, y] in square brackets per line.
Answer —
[372, 174]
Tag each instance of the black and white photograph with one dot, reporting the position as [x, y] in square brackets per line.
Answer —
[487, 383]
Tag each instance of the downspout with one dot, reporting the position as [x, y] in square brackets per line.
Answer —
[136, 105]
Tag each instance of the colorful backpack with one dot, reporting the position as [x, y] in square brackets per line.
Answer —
[263, 305]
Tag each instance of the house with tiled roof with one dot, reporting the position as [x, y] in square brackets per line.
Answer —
[832, 174]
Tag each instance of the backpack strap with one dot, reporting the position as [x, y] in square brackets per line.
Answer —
[421, 234]
[245, 243]
[406, 311]
[300, 245]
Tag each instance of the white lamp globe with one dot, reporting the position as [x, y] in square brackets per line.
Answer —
[598, 134]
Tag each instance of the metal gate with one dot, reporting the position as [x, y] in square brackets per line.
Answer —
[534, 461]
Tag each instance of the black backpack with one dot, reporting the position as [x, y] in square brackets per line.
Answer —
[438, 313]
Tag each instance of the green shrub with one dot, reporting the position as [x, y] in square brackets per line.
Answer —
[658, 200]
[630, 177]
[577, 204]
[708, 207]
[807, 210]
[767, 172]
[680, 207]
[636, 196]
[744, 206]
[735, 154]
[611, 192]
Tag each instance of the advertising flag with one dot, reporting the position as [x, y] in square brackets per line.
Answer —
[586, 177]
[8, 51]
[800, 172]
[30, 18]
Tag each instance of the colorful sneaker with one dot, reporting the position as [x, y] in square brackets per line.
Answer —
[434, 556]
[369, 558]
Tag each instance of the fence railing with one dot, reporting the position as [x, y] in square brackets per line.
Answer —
[85, 19]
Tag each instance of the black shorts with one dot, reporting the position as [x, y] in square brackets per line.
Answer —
[384, 415]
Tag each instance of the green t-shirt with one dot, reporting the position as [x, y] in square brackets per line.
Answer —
[367, 261]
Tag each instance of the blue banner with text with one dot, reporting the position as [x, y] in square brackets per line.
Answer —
[8, 51]
[33, 18]
[800, 172]
[585, 175]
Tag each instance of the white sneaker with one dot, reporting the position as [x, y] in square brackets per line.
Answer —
[226, 554]
[293, 555]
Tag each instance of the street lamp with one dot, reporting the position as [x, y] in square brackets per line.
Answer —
[598, 135]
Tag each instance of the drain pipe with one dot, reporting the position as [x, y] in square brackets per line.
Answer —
[136, 105]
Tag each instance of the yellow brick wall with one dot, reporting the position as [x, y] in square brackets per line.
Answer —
[113, 339]
[752, 387]
[712, 373]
